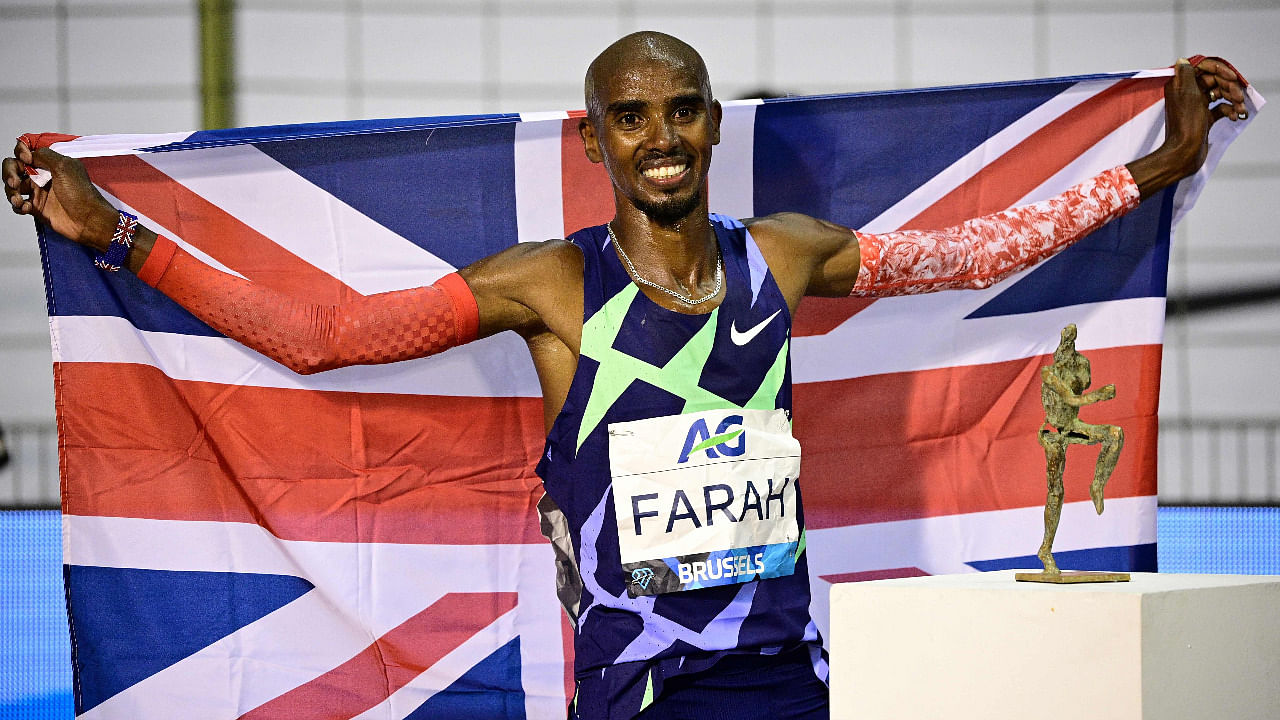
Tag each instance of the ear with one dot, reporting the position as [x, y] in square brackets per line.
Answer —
[590, 143]
[717, 113]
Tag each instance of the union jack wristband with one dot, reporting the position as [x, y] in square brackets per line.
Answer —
[117, 253]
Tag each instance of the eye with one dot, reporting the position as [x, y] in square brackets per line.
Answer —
[685, 113]
[629, 119]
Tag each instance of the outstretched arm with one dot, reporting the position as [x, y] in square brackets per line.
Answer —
[494, 295]
[819, 258]
[310, 337]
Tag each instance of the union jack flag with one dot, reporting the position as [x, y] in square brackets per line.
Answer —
[244, 542]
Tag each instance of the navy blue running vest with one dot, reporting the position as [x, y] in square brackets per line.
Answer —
[639, 360]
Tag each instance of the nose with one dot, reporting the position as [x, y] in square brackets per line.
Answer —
[662, 135]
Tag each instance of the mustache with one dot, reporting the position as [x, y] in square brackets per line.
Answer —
[653, 155]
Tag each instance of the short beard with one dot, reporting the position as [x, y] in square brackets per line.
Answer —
[670, 210]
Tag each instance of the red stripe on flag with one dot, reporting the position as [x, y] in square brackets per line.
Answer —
[1026, 165]
[391, 662]
[962, 439]
[587, 192]
[305, 465]
[212, 229]
[819, 315]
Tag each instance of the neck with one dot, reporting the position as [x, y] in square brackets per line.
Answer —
[681, 255]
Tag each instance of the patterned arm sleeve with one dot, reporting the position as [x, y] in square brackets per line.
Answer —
[308, 337]
[981, 252]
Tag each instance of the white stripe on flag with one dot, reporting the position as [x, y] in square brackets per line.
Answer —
[497, 366]
[302, 218]
[539, 188]
[115, 145]
[731, 183]
[873, 342]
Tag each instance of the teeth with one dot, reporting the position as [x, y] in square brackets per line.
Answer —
[664, 171]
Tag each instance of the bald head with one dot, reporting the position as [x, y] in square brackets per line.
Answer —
[637, 49]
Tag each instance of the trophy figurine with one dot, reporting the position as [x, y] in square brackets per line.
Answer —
[1063, 394]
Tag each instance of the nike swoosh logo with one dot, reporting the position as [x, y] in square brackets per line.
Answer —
[742, 338]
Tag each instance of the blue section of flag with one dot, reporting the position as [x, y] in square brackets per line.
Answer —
[129, 624]
[279, 133]
[450, 191]
[1122, 558]
[849, 158]
[1127, 258]
[490, 690]
[71, 290]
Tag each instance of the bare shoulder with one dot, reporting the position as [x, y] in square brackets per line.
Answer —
[798, 234]
[804, 253]
[529, 287]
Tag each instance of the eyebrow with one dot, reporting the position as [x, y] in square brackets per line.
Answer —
[624, 106]
[690, 99]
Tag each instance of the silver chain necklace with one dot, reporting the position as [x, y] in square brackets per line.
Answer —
[687, 300]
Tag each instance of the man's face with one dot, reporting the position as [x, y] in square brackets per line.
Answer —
[654, 136]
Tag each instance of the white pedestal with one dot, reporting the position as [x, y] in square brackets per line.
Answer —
[980, 645]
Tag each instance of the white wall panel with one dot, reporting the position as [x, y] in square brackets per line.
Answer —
[1086, 42]
[425, 104]
[22, 297]
[951, 49]
[834, 53]
[23, 69]
[401, 47]
[27, 395]
[291, 44]
[98, 117]
[132, 51]
[1250, 38]
[1233, 381]
[540, 50]
[273, 108]
[1235, 211]
[19, 117]
[1261, 144]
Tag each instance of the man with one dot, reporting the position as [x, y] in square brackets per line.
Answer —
[661, 342]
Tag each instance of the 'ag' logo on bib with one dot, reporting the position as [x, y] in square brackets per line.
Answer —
[699, 439]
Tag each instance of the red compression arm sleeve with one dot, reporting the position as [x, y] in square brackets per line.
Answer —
[308, 337]
[979, 253]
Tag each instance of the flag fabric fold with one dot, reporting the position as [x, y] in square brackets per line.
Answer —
[241, 541]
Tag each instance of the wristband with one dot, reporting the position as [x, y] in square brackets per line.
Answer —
[117, 253]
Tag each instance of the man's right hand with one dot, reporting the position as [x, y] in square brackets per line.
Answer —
[68, 203]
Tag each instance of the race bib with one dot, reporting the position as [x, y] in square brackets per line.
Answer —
[705, 499]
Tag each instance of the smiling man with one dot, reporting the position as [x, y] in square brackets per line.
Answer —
[661, 341]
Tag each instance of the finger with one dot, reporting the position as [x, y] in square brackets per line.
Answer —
[1223, 110]
[1217, 68]
[10, 173]
[22, 152]
[16, 181]
[1235, 94]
